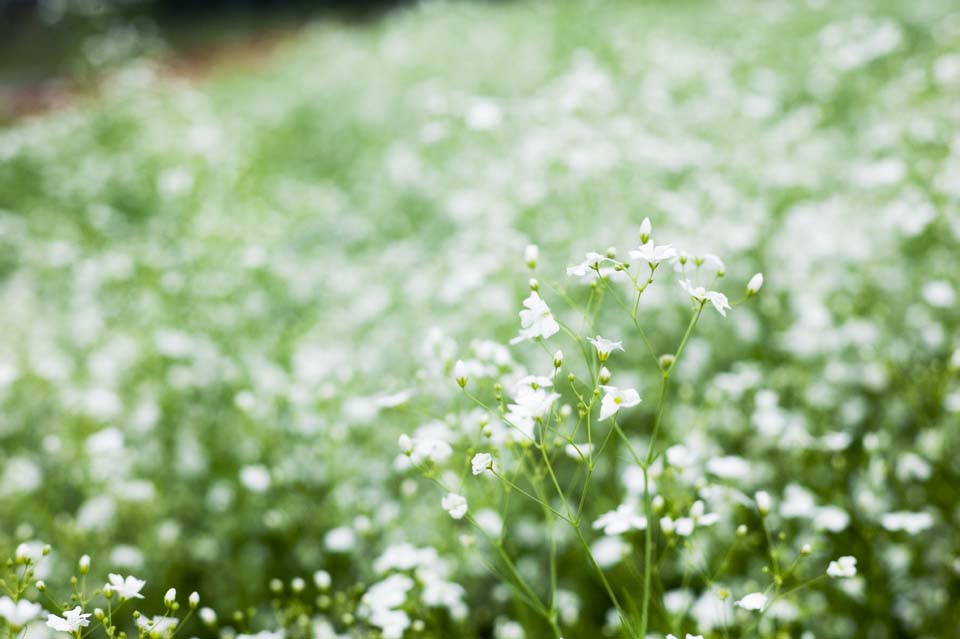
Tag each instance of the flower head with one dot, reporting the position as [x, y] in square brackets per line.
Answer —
[653, 254]
[71, 621]
[843, 568]
[536, 320]
[128, 588]
[755, 284]
[700, 294]
[755, 601]
[604, 346]
[18, 614]
[617, 398]
[455, 505]
[481, 463]
[589, 265]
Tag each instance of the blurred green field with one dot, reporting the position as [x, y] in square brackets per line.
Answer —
[223, 301]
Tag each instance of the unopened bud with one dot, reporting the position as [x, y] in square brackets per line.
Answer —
[530, 255]
[84, 564]
[460, 373]
[755, 284]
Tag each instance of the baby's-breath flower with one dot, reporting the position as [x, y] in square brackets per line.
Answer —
[84, 564]
[71, 621]
[194, 599]
[405, 444]
[617, 398]
[128, 588]
[763, 502]
[700, 294]
[322, 579]
[208, 616]
[530, 255]
[558, 359]
[646, 228]
[604, 346]
[18, 614]
[455, 505]
[755, 284]
[843, 568]
[755, 601]
[589, 265]
[652, 254]
[460, 373]
[170, 597]
[536, 320]
[481, 463]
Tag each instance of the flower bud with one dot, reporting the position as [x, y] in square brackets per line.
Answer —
[805, 550]
[666, 361]
[84, 564]
[604, 375]
[763, 502]
[667, 525]
[742, 530]
[405, 444]
[755, 284]
[22, 554]
[558, 359]
[645, 229]
[611, 252]
[297, 585]
[194, 599]
[170, 597]
[41, 585]
[530, 255]
[460, 373]
[658, 504]
[534, 284]
[208, 616]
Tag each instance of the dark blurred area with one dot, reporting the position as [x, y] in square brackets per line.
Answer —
[53, 49]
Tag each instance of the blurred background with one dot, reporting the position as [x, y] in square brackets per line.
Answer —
[242, 243]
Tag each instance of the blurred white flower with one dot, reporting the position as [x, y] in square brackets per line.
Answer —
[481, 463]
[71, 621]
[536, 321]
[19, 614]
[845, 567]
[755, 601]
[455, 505]
[700, 294]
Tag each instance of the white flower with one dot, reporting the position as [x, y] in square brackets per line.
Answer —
[405, 444]
[529, 405]
[208, 616]
[844, 567]
[604, 346]
[20, 613]
[170, 597]
[481, 463]
[128, 588]
[699, 293]
[763, 502]
[653, 254]
[194, 599]
[536, 320]
[754, 601]
[689, 636]
[322, 579]
[912, 523]
[755, 284]
[646, 228]
[84, 564]
[531, 254]
[617, 398]
[71, 621]
[619, 521]
[587, 266]
[158, 623]
[455, 505]
[684, 526]
[460, 373]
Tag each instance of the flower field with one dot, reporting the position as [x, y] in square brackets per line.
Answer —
[494, 321]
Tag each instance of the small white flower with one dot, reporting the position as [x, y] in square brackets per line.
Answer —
[208, 616]
[405, 444]
[755, 284]
[605, 346]
[128, 588]
[84, 564]
[481, 463]
[587, 266]
[460, 373]
[912, 523]
[455, 505]
[756, 601]
[763, 502]
[653, 254]
[619, 521]
[684, 526]
[18, 614]
[170, 596]
[322, 579]
[699, 293]
[646, 228]
[617, 398]
[531, 254]
[194, 599]
[843, 568]
[536, 320]
[71, 621]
